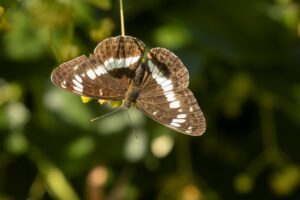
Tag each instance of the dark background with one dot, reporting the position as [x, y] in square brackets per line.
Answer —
[243, 58]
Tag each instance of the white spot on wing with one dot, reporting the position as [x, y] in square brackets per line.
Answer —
[78, 78]
[160, 79]
[128, 61]
[79, 85]
[166, 83]
[153, 69]
[99, 70]
[110, 63]
[63, 84]
[155, 112]
[181, 116]
[178, 120]
[175, 124]
[113, 63]
[168, 88]
[119, 62]
[151, 66]
[190, 128]
[170, 96]
[191, 109]
[175, 104]
[91, 74]
[134, 59]
[77, 88]
[103, 70]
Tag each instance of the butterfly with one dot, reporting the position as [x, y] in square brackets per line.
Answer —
[156, 84]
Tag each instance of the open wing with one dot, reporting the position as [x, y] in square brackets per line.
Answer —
[164, 95]
[106, 74]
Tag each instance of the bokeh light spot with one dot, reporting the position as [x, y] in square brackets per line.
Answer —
[162, 146]
[98, 176]
[191, 192]
[243, 183]
[135, 146]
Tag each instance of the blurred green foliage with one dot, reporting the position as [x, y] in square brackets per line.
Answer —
[244, 63]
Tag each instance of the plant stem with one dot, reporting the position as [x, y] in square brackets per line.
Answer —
[122, 18]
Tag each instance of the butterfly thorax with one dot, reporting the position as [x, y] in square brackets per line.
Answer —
[134, 87]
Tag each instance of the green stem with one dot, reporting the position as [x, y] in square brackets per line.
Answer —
[269, 137]
[256, 166]
[56, 183]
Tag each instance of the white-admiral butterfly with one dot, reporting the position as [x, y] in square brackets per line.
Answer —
[157, 86]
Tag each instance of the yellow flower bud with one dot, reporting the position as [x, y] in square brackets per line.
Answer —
[101, 101]
[116, 104]
[85, 99]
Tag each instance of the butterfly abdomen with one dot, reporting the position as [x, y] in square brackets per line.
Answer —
[131, 95]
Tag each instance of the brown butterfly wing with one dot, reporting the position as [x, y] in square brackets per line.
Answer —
[164, 95]
[104, 75]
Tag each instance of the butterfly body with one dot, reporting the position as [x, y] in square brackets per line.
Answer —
[158, 86]
[134, 87]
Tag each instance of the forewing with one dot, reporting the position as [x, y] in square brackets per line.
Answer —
[79, 76]
[163, 70]
[106, 74]
[120, 52]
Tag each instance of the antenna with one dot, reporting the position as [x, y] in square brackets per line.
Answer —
[107, 114]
